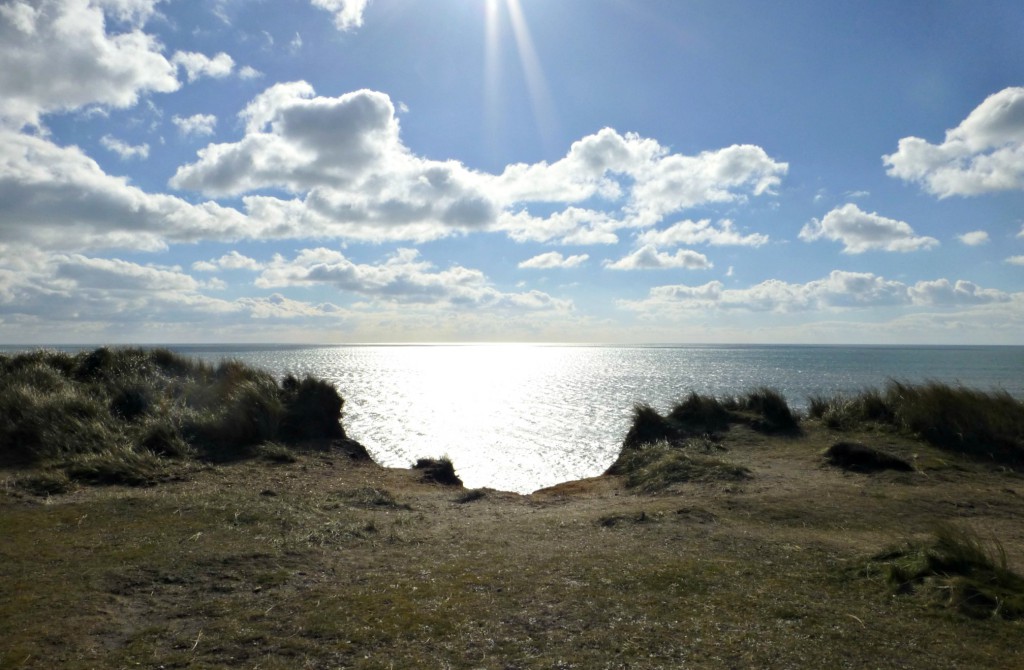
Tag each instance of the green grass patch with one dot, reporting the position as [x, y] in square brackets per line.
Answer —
[958, 569]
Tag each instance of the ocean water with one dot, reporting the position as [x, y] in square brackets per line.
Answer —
[523, 417]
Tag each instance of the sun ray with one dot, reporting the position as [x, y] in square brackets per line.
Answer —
[533, 72]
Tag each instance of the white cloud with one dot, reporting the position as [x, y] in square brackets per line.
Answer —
[652, 181]
[123, 149]
[118, 275]
[197, 124]
[840, 291]
[343, 156]
[72, 293]
[351, 176]
[861, 231]
[648, 257]
[229, 261]
[58, 56]
[569, 226]
[1015, 260]
[197, 65]
[60, 199]
[249, 72]
[348, 14]
[984, 154]
[553, 260]
[701, 232]
[404, 278]
[945, 292]
[974, 238]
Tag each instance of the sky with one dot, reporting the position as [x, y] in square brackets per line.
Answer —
[593, 171]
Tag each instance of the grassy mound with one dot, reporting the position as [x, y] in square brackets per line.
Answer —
[959, 570]
[762, 409]
[120, 416]
[657, 467]
[980, 425]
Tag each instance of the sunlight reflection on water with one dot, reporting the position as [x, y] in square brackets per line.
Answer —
[522, 417]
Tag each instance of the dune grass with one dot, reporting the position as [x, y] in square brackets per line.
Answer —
[987, 426]
[763, 409]
[122, 416]
[957, 568]
[657, 467]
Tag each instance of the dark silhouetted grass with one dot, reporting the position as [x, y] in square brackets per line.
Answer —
[438, 471]
[762, 409]
[981, 425]
[120, 416]
[772, 408]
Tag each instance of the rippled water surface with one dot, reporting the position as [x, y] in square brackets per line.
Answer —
[522, 417]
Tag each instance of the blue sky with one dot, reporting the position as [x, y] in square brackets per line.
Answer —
[511, 170]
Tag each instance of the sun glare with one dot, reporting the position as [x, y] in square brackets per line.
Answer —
[533, 71]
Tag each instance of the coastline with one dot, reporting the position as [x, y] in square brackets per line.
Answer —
[238, 526]
[331, 562]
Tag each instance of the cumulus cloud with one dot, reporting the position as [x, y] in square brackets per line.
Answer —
[404, 278]
[350, 175]
[58, 56]
[701, 232]
[118, 275]
[123, 149]
[572, 225]
[58, 198]
[229, 261]
[984, 154]
[348, 14]
[553, 260]
[960, 292]
[839, 291]
[197, 124]
[648, 257]
[343, 159]
[197, 65]
[974, 238]
[74, 293]
[1015, 260]
[249, 72]
[653, 181]
[862, 231]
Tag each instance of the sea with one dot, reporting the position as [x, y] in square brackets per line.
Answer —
[520, 417]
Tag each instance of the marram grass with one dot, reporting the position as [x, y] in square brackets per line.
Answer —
[121, 416]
